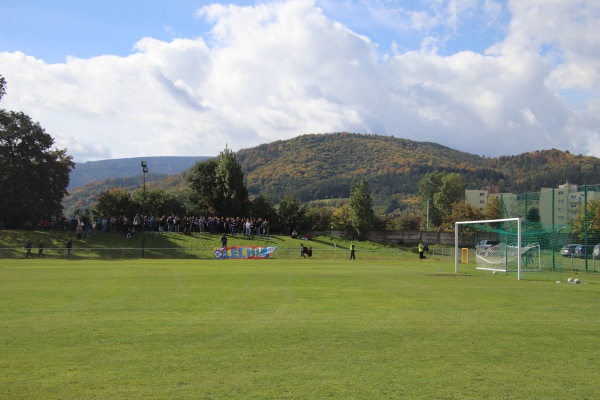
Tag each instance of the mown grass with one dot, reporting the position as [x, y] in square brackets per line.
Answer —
[297, 329]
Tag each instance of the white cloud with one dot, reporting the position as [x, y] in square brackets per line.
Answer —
[277, 70]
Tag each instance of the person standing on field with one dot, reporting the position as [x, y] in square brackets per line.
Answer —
[41, 249]
[28, 248]
[352, 250]
[69, 247]
[421, 249]
[224, 240]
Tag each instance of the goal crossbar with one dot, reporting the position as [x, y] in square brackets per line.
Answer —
[519, 249]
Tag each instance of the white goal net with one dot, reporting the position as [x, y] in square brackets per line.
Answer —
[502, 249]
[503, 257]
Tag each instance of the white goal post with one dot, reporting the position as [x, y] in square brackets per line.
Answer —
[519, 248]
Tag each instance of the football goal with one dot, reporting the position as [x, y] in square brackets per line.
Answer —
[501, 250]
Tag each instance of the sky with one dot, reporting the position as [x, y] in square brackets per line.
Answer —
[142, 78]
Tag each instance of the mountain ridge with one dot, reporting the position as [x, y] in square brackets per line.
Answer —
[323, 166]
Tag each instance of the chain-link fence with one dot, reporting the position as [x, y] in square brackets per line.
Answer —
[565, 221]
[201, 253]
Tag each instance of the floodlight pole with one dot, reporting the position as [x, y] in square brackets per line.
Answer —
[144, 172]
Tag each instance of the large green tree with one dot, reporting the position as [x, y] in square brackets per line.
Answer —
[438, 192]
[202, 195]
[231, 189]
[34, 177]
[291, 214]
[428, 187]
[159, 202]
[216, 187]
[114, 202]
[2, 86]
[262, 207]
[361, 208]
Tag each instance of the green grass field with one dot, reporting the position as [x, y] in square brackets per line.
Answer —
[294, 329]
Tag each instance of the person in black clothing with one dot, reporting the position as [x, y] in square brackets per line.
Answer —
[224, 240]
[41, 249]
[28, 248]
[69, 247]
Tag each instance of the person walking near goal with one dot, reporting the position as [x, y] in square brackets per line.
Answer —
[421, 249]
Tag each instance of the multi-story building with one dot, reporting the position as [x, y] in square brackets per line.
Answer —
[558, 206]
[480, 198]
[562, 205]
[477, 198]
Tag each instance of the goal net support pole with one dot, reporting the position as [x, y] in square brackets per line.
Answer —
[456, 228]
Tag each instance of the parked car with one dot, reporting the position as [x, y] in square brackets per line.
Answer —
[485, 244]
[568, 250]
[596, 251]
[583, 251]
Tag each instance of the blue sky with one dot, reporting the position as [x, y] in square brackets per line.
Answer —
[53, 30]
[124, 78]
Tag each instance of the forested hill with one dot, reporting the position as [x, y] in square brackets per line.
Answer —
[323, 166]
[529, 172]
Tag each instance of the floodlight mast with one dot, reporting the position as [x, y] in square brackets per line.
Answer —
[518, 220]
[144, 165]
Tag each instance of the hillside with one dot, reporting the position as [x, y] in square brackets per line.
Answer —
[323, 166]
[124, 167]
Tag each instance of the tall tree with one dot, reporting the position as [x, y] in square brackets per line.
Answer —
[2, 87]
[437, 194]
[202, 194]
[34, 177]
[428, 187]
[291, 213]
[361, 208]
[262, 207]
[231, 190]
[451, 191]
[217, 187]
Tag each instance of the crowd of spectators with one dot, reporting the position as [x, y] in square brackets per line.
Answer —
[160, 225]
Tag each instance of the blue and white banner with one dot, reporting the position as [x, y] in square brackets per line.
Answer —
[243, 252]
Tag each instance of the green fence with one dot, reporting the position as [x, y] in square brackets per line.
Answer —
[558, 217]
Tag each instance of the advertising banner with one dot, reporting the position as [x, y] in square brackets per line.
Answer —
[244, 252]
